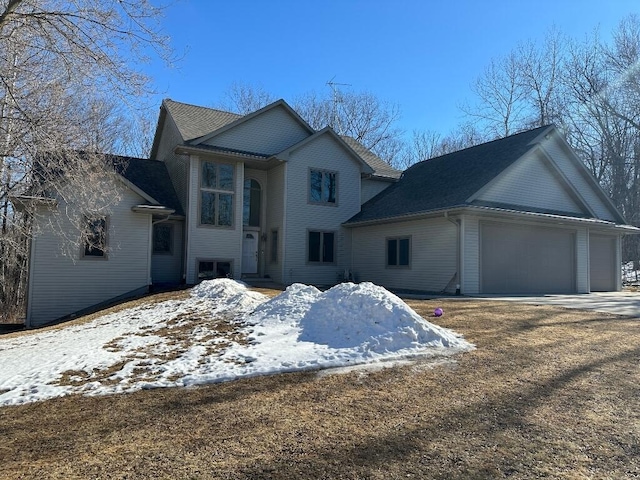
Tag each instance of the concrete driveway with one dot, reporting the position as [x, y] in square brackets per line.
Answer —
[620, 303]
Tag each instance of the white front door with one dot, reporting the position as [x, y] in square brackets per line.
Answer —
[250, 252]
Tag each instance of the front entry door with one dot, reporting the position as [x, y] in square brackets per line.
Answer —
[250, 252]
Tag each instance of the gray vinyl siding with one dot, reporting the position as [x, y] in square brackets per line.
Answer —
[582, 260]
[271, 132]
[530, 183]
[215, 243]
[575, 174]
[370, 188]
[432, 258]
[302, 216]
[177, 165]
[603, 266]
[167, 268]
[62, 283]
[470, 255]
[275, 219]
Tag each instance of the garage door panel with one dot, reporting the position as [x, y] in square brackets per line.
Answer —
[527, 259]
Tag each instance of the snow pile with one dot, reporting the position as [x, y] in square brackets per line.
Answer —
[178, 343]
[229, 296]
[362, 316]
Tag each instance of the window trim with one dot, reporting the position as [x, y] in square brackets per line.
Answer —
[397, 266]
[217, 192]
[215, 262]
[170, 226]
[323, 171]
[105, 256]
[322, 233]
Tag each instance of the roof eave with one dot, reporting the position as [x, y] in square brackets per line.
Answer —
[477, 209]
[21, 202]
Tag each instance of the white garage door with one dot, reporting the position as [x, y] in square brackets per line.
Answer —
[527, 259]
[602, 263]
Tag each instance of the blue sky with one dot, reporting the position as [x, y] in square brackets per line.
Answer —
[421, 55]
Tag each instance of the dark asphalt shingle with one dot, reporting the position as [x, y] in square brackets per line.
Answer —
[194, 121]
[447, 181]
[150, 176]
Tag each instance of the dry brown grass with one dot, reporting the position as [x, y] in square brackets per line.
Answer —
[549, 393]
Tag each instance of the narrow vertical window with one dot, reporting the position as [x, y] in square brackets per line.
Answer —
[274, 246]
[95, 241]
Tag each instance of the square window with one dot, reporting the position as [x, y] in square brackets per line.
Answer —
[321, 247]
[399, 252]
[322, 187]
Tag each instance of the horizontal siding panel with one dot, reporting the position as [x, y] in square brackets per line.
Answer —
[270, 132]
[177, 165]
[275, 216]
[326, 154]
[370, 188]
[167, 268]
[470, 256]
[531, 183]
[433, 255]
[575, 176]
[63, 284]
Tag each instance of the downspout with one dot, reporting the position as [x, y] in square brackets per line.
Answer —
[456, 222]
[283, 241]
[32, 246]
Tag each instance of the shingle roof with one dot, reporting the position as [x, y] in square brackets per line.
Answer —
[447, 181]
[379, 166]
[150, 176]
[194, 121]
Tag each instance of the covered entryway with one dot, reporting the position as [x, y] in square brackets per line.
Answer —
[526, 259]
[602, 263]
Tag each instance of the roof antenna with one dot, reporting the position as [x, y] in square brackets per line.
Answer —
[336, 98]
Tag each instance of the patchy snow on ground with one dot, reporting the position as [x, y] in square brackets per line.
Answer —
[223, 331]
[629, 275]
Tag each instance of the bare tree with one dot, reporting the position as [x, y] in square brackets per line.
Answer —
[69, 74]
[361, 116]
[501, 99]
[244, 98]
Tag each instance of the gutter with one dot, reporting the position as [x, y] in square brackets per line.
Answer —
[475, 209]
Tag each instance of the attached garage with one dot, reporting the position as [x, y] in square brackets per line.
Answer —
[526, 259]
[602, 263]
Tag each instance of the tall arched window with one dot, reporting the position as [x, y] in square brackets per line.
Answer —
[251, 203]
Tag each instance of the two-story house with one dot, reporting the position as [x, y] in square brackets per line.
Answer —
[266, 196]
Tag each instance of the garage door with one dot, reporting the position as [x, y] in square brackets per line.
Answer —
[602, 263]
[526, 259]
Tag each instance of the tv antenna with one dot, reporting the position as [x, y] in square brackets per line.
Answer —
[336, 98]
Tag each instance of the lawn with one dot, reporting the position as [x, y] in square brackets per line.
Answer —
[548, 393]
